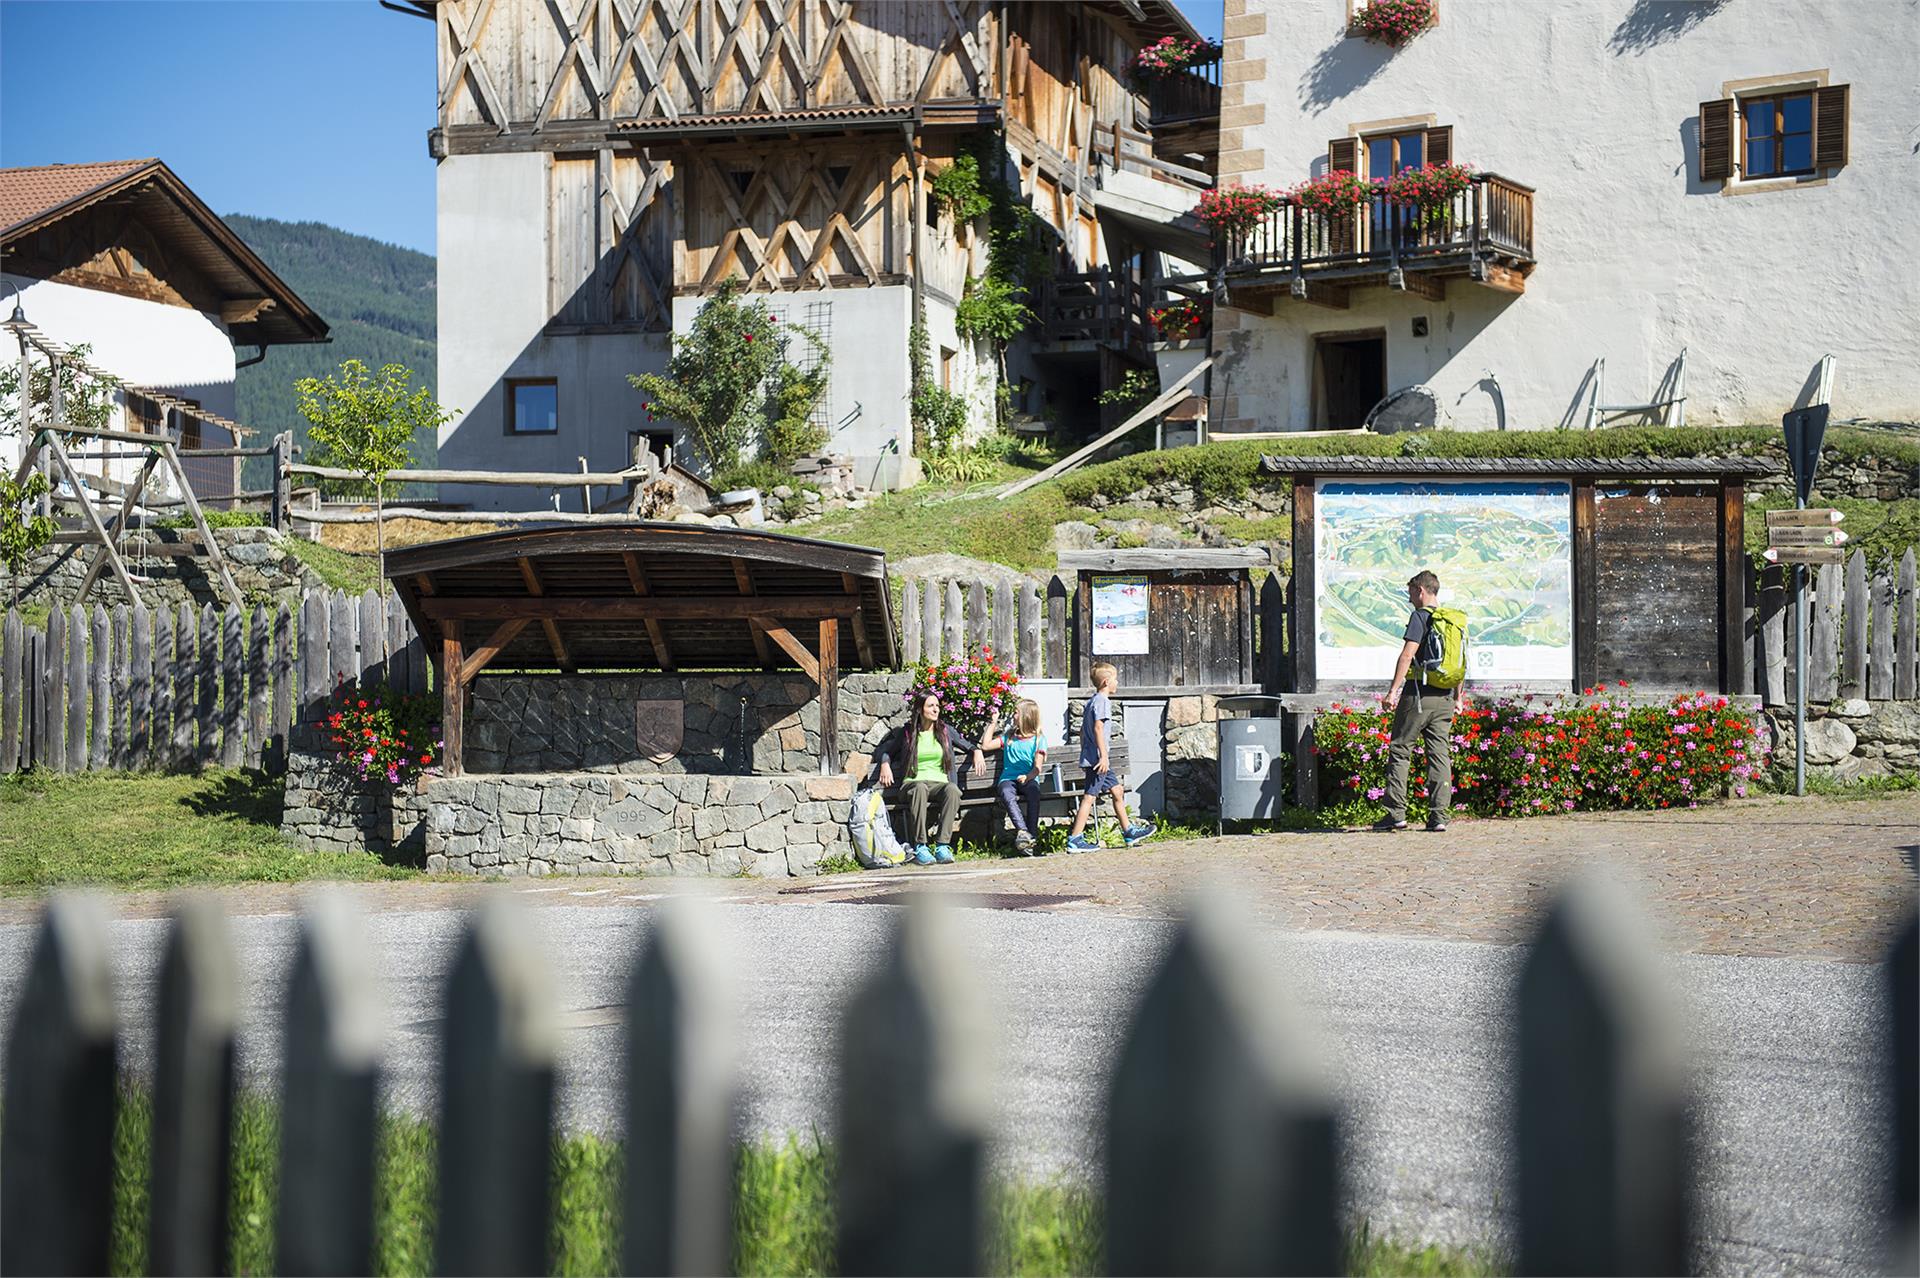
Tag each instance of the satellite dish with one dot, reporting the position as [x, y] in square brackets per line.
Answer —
[1412, 408]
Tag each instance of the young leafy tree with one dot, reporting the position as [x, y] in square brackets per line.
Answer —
[84, 401]
[21, 533]
[717, 382]
[366, 421]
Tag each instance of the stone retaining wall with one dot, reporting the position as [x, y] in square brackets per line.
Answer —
[257, 558]
[1852, 740]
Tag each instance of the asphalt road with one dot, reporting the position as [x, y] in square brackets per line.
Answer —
[1792, 1112]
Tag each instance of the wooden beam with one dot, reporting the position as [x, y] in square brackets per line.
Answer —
[534, 587]
[828, 676]
[743, 577]
[1160, 404]
[172, 459]
[423, 582]
[863, 644]
[1332, 296]
[244, 310]
[656, 633]
[1423, 284]
[477, 660]
[453, 704]
[627, 608]
[1505, 279]
[807, 662]
[133, 492]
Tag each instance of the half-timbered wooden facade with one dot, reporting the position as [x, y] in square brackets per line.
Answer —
[604, 165]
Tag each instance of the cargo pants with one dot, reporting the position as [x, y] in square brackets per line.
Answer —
[1424, 714]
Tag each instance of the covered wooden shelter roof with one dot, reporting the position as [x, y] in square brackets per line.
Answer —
[648, 595]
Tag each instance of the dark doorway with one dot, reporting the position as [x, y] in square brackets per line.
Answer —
[1349, 377]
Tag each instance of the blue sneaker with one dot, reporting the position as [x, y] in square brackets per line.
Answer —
[922, 854]
[1081, 843]
[1139, 832]
[943, 854]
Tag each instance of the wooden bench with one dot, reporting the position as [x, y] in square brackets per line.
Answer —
[1062, 781]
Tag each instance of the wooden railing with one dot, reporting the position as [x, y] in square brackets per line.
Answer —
[1191, 95]
[1093, 306]
[1492, 217]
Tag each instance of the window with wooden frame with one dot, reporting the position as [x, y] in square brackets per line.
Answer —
[533, 406]
[1383, 153]
[1779, 132]
[144, 416]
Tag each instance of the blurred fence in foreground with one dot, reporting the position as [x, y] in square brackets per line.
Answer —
[1223, 1146]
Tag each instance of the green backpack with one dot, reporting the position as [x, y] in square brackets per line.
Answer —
[1442, 660]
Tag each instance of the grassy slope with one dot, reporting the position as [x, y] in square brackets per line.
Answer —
[1018, 532]
[151, 830]
[783, 1208]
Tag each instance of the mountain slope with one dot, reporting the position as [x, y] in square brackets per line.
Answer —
[378, 298]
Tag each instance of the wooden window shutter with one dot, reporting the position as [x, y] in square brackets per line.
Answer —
[1716, 140]
[1343, 153]
[1440, 145]
[1830, 127]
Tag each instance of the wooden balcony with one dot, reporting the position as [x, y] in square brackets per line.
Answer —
[1189, 97]
[1080, 312]
[1485, 235]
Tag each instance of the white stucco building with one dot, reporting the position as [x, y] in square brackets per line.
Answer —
[122, 258]
[1735, 179]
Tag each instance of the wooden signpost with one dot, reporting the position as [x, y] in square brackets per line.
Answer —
[1805, 536]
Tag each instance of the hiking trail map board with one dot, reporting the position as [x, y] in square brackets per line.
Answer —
[1503, 550]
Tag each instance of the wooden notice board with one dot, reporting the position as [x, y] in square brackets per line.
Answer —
[1199, 618]
[1659, 599]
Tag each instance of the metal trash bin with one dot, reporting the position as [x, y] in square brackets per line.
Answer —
[1252, 782]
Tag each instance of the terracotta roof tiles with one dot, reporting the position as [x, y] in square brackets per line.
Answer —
[28, 193]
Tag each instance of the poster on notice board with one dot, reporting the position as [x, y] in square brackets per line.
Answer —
[1119, 616]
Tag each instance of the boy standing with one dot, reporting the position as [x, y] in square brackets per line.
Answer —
[1095, 761]
[1420, 712]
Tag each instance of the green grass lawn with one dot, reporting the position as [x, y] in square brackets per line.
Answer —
[149, 830]
[783, 1208]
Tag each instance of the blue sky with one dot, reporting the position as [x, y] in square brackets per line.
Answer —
[306, 110]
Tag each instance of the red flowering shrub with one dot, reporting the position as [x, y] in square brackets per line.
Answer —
[970, 689]
[1235, 210]
[1172, 55]
[1394, 21]
[1177, 320]
[1335, 192]
[379, 734]
[1526, 756]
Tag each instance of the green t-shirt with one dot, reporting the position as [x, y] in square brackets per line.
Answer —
[931, 762]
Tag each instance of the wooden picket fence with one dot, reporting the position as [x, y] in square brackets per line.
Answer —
[186, 687]
[1223, 1138]
[1861, 641]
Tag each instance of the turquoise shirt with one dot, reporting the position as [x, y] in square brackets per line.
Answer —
[1018, 753]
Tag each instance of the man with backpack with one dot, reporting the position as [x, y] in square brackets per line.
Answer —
[1423, 695]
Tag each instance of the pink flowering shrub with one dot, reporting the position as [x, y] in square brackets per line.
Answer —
[1177, 320]
[1428, 189]
[970, 689]
[1527, 756]
[1335, 192]
[1394, 21]
[377, 734]
[1172, 55]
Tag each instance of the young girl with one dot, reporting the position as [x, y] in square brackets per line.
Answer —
[1023, 752]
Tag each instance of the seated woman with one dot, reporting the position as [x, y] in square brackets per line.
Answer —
[1023, 753]
[923, 757]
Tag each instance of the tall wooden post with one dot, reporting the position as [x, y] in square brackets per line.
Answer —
[453, 700]
[829, 694]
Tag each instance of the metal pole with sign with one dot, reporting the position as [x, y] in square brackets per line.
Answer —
[1805, 429]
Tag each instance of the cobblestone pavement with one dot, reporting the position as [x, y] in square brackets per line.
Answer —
[1803, 878]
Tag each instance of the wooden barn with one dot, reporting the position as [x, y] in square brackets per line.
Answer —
[604, 166]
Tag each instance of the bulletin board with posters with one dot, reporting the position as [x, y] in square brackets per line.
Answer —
[1170, 622]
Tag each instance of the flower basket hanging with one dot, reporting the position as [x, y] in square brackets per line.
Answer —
[1172, 55]
[1335, 193]
[1177, 321]
[1394, 21]
[1429, 190]
[1233, 211]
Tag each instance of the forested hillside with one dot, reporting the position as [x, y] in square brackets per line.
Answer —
[378, 298]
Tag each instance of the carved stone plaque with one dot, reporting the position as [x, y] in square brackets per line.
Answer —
[658, 728]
